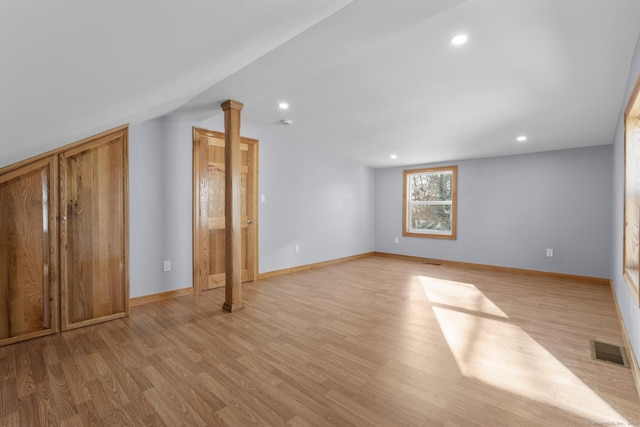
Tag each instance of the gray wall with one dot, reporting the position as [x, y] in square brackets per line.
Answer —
[320, 202]
[146, 208]
[628, 305]
[160, 200]
[511, 209]
[313, 199]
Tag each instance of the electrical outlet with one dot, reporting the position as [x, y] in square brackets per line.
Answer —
[297, 248]
[549, 252]
[396, 240]
[166, 266]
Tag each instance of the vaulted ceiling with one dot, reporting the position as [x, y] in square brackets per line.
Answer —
[364, 79]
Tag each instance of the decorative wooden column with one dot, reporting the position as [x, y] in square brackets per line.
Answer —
[233, 230]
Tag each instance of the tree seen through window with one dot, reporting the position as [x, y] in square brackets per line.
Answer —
[430, 202]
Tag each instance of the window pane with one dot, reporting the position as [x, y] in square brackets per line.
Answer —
[632, 194]
[428, 187]
[431, 218]
[429, 202]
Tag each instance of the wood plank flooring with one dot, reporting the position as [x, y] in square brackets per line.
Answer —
[375, 341]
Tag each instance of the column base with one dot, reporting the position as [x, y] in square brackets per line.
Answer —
[232, 308]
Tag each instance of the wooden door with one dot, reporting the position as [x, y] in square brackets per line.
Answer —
[28, 251]
[94, 231]
[209, 220]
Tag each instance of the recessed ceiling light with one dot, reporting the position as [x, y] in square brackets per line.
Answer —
[283, 106]
[394, 156]
[460, 39]
[521, 138]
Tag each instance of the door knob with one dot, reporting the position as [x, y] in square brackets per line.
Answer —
[249, 221]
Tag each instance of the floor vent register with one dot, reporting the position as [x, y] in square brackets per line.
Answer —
[609, 353]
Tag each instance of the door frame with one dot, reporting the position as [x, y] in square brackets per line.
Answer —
[200, 214]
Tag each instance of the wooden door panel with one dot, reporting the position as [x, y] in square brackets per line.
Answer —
[215, 214]
[216, 206]
[216, 262]
[28, 254]
[209, 209]
[95, 256]
[217, 273]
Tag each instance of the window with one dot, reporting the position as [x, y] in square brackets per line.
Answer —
[429, 208]
[632, 191]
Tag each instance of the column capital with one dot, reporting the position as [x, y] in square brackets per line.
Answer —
[232, 105]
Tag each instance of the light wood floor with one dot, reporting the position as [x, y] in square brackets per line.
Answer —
[375, 341]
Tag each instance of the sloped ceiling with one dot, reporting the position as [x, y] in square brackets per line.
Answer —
[72, 68]
[364, 79]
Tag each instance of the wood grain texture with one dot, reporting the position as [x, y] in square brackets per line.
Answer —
[497, 268]
[200, 212]
[209, 240]
[632, 360]
[94, 255]
[28, 254]
[370, 342]
[146, 299]
[249, 212]
[305, 267]
[232, 179]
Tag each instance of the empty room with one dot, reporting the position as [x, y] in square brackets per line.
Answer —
[320, 213]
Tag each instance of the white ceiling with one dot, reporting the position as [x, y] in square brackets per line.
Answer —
[365, 78]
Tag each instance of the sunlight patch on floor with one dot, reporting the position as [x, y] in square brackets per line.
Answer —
[460, 296]
[488, 348]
